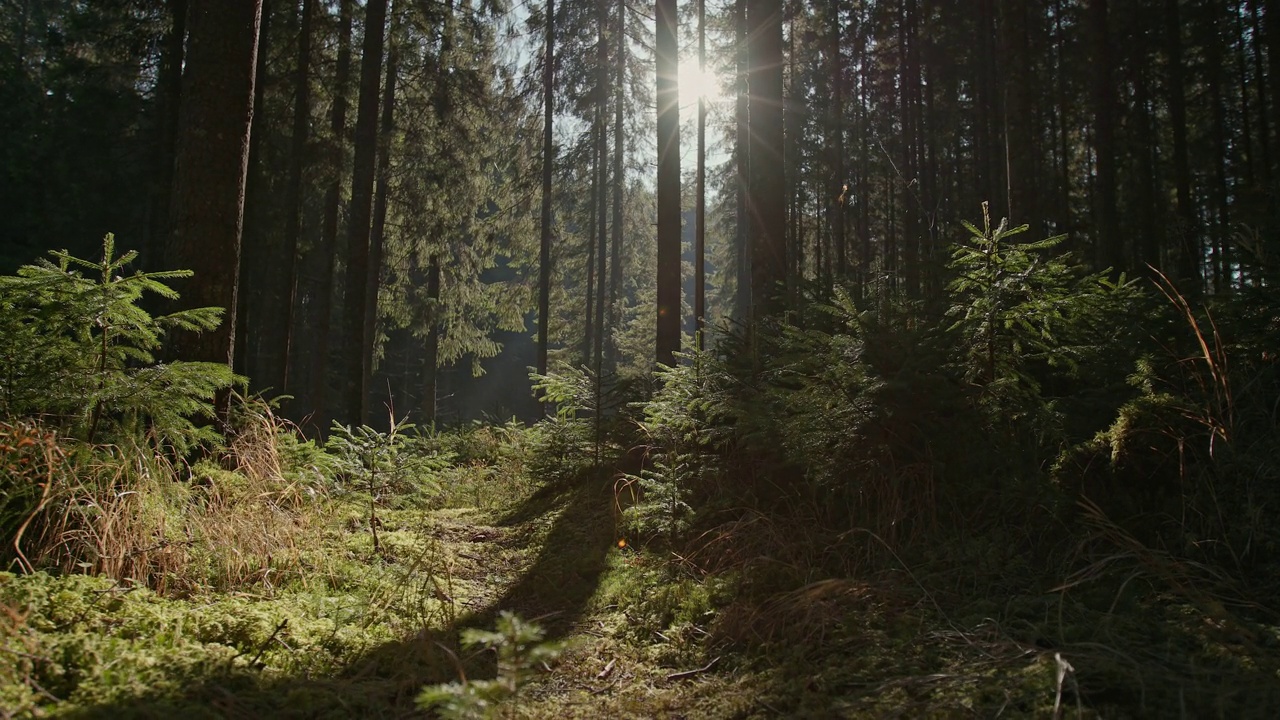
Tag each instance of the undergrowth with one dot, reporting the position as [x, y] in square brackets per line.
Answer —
[1047, 496]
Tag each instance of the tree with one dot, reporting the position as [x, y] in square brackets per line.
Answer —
[358, 349]
[668, 310]
[211, 164]
[548, 169]
[767, 196]
[327, 248]
[293, 202]
[700, 232]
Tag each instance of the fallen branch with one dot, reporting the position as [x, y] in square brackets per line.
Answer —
[691, 673]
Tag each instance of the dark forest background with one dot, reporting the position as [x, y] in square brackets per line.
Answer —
[1145, 132]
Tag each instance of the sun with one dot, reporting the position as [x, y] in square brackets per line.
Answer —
[696, 82]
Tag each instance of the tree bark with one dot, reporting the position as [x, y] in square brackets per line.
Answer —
[1110, 250]
[767, 209]
[256, 245]
[377, 234]
[1189, 260]
[837, 189]
[619, 182]
[548, 163]
[668, 190]
[328, 249]
[168, 101]
[431, 354]
[742, 162]
[603, 72]
[700, 231]
[211, 166]
[293, 194]
[355, 394]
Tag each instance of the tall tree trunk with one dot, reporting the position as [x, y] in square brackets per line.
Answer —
[742, 162]
[700, 229]
[168, 100]
[838, 194]
[1149, 240]
[1220, 192]
[257, 246]
[548, 163]
[1260, 83]
[377, 230]
[1189, 256]
[603, 73]
[1110, 251]
[909, 77]
[293, 194]
[431, 354]
[767, 198]
[1021, 128]
[1271, 36]
[355, 394]
[210, 168]
[1242, 79]
[619, 180]
[593, 211]
[668, 190]
[328, 249]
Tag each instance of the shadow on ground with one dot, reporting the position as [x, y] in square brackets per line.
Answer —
[555, 590]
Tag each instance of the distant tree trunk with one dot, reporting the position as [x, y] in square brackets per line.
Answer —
[1242, 79]
[910, 77]
[792, 129]
[1260, 82]
[1063, 107]
[619, 181]
[355, 395]
[548, 163]
[837, 195]
[742, 162]
[1189, 256]
[328, 249]
[668, 191]
[168, 100]
[1020, 122]
[1110, 251]
[1221, 194]
[700, 231]
[377, 234]
[767, 208]
[210, 168]
[283, 333]
[256, 245]
[863, 182]
[1147, 247]
[1271, 38]
[431, 347]
[594, 209]
[603, 72]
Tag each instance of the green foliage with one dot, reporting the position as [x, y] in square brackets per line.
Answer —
[521, 653]
[1017, 307]
[572, 391]
[662, 508]
[79, 352]
[381, 464]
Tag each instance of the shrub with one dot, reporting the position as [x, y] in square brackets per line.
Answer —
[79, 352]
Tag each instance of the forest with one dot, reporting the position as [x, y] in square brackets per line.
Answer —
[601, 358]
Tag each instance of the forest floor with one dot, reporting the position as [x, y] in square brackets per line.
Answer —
[644, 635]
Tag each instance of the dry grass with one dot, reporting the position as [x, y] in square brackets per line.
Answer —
[132, 514]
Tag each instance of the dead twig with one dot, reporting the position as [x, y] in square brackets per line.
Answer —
[690, 673]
